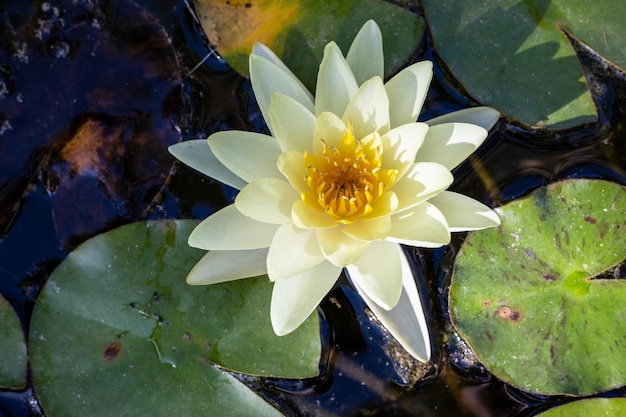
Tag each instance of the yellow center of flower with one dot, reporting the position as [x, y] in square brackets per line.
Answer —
[347, 180]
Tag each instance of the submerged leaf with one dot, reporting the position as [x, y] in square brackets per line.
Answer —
[117, 324]
[538, 297]
[512, 54]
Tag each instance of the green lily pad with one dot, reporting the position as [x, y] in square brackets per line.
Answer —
[609, 407]
[539, 299]
[513, 55]
[298, 30]
[13, 348]
[117, 331]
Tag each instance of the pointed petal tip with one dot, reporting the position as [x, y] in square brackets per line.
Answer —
[483, 116]
[405, 321]
[224, 266]
[280, 329]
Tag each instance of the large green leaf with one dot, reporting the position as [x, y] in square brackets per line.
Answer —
[13, 348]
[298, 30]
[609, 407]
[117, 331]
[537, 298]
[512, 54]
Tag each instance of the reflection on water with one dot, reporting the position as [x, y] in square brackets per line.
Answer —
[103, 76]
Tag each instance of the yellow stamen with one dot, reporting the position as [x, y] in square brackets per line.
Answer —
[347, 180]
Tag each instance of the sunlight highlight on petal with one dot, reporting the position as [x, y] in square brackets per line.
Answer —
[422, 181]
[378, 273]
[401, 145]
[335, 82]
[249, 155]
[293, 250]
[307, 217]
[451, 143]
[464, 213]
[406, 321]
[228, 229]
[294, 299]
[267, 200]
[290, 165]
[365, 56]
[223, 266]
[407, 92]
[339, 248]
[293, 123]
[374, 229]
[268, 78]
[369, 109]
[422, 226]
[329, 130]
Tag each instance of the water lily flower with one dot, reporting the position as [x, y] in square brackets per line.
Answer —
[344, 179]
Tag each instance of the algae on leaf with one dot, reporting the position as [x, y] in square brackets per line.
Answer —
[538, 297]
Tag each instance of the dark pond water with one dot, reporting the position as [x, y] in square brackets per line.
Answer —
[122, 78]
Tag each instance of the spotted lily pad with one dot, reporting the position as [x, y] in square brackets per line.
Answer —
[298, 30]
[117, 331]
[513, 55]
[610, 407]
[539, 299]
[13, 348]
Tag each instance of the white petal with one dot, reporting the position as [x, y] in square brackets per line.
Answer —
[365, 56]
[451, 143]
[335, 82]
[268, 78]
[228, 229]
[339, 248]
[406, 321]
[421, 226]
[293, 250]
[294, 299]
[369, 109]
[464, 213]
[329, 129]
[483, 116]
[197, 155]
[221, 266]
[407, 92]
[373, 229]
[249, 155]
[267, 200]
[422, 181]
[264, 52]
[401, 145]
[291, 165]
[378, 273]
[293, 123]
[307, 217]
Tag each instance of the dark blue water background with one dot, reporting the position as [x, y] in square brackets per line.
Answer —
[39, 222]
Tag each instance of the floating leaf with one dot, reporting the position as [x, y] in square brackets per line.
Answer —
[539, 299]
[610, 407]
[298, 30]
[116, 324]
[513, 55]
[13, 348]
